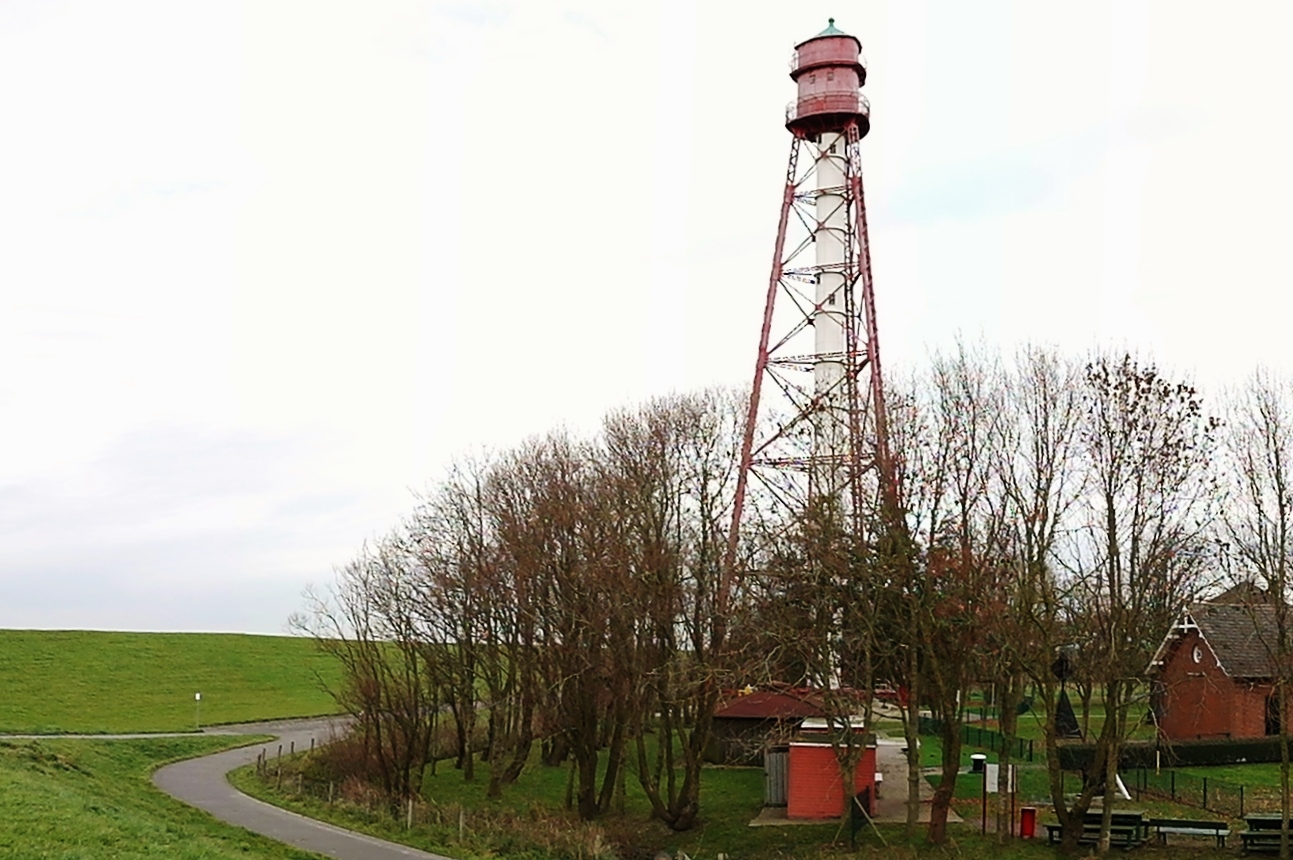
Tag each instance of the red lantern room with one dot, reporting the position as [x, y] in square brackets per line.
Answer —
[828, 69]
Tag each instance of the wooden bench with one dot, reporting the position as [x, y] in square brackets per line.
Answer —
[1219, 830]
[1127, 835]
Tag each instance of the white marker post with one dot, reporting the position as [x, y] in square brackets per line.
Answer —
[197, 699]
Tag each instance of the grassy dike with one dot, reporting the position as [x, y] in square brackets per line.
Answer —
[94, 800]
[87, 681]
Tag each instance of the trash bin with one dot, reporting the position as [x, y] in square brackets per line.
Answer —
[976, 762]
[1027, 822]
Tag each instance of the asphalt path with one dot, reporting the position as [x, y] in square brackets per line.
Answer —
[204, 783]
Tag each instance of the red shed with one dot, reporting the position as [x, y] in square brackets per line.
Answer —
[816, 790]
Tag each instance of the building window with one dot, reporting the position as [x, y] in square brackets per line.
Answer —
[830, 300]
[830, 74]
[1272, 714]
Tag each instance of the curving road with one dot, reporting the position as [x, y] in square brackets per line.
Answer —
[203, 782]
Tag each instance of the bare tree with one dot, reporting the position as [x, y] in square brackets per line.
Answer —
[450, 547]
[1143, 543]
[475, 606]
[963, 542]
[670, 465]
[367, 623]
[1259, 527]
[575, 590]
[1040, 483]
[898, 573]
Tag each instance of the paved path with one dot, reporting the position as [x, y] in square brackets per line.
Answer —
[891, 804]
[203, 782]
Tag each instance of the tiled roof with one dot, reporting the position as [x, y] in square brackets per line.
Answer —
[767, 705]
[1243, 592]
[1242, 636]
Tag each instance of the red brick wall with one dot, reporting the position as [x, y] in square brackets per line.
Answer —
[815, 789]
[1250, 710]
[1201, 701]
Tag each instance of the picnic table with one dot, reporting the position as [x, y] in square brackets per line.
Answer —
[1263, 833]
[1126, 828]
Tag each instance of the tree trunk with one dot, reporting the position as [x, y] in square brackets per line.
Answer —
[586, 792]
[614, 763]
[1281, 698]
[1011, 694]
[1110, 790]
[942, 802]
[911, 732]
[1070, 817]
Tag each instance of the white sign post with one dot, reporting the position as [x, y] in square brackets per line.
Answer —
[197, 704]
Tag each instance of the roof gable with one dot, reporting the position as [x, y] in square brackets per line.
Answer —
[1242, 636]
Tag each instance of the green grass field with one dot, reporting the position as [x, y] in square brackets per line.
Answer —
[1263, 775]
[80, 681]
[93, 799]
[90, 799]
[731, 798]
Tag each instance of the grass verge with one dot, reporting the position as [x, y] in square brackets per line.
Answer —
[85, 681]
[457, 820]
[94, 800]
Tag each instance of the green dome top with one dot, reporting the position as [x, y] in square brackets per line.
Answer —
[831, 29]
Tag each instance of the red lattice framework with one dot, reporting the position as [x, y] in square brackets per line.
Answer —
[784, 462]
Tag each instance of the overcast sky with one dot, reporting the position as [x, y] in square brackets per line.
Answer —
[265, 267]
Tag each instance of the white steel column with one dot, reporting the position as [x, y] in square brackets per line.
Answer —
[831, 431]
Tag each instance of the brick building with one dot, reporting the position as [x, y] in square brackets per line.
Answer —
[1212, 674]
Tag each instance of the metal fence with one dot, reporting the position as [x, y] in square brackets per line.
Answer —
[978, 736]
[1205, 792]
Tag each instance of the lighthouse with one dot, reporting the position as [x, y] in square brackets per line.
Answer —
[829, 73]
[816, 428]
